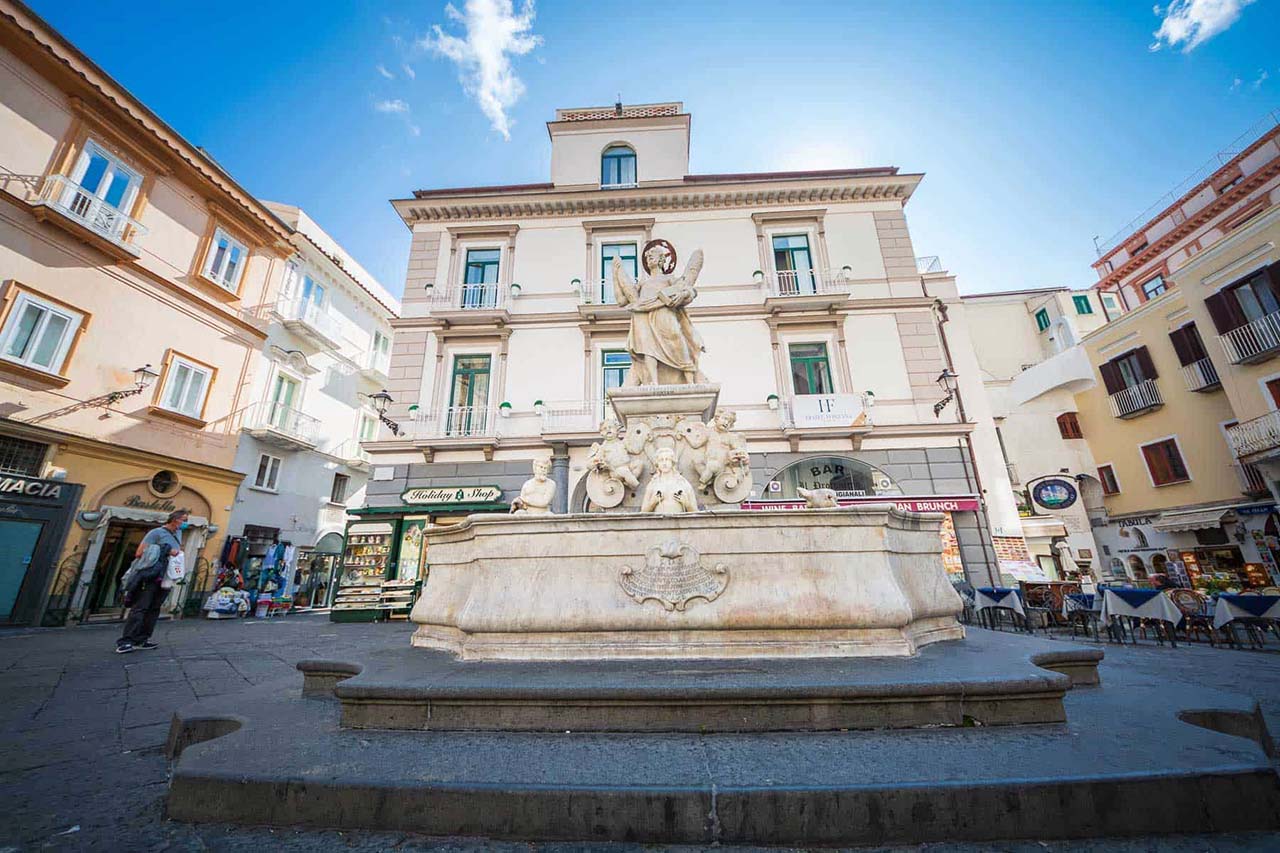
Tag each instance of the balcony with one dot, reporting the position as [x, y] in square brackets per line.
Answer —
[311, 322]
[455, 422]
[471, 304]
[1201, 376]
[88, 217]
[1069, 370]
[283, 427]
[1258, 340]
[805, 289]
[598, 301]
[374, 367]
[353, 455]
[1136, 399]
[928, 264]
[1252, 483]
[574, 416]
[1260, 436]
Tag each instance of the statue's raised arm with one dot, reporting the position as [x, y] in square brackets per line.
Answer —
[624, 286]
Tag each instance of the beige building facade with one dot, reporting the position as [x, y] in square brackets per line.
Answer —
[134, 276]
[827, 340]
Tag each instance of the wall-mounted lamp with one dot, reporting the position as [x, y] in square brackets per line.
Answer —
[381, 401]
[947, 382]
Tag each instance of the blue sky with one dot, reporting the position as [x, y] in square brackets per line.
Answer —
[1037, 125]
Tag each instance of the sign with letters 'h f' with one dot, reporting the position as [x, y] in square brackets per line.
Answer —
[825, 410]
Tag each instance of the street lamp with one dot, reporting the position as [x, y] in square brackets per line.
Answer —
[947, 382]
[143, 377]
[381, 401]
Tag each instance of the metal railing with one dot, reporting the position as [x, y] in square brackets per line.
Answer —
[470, 297]
[289, 421]
[1251, 480]
[928, 264]
[806, 282]
[1256, 436]
[375, 361]
[573, 415]
[1252, 339]
[316, 316]
[627, 186]
[1136, 399]
[351, 452]
[69, 198]
[1200, 375]
[455, 421]
[599, 293]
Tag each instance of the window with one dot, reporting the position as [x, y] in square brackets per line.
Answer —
[285, 395]
[1107, 476]
[268, 472]
[338, 494]
[793, 263]
[1246, 302]
[1153, 287]
[368, 429]
[618, 167]
[225, 261]
[1164, 462]
[1128, 370]
[103, 191]
[480, 278]
[1110, 304]
[381, 344]
[469, 395]
[185, 388]
[1135, 248]
[1069, 425]
[626, 253]
[19, 456]
[1187, 344]
[1083, 306]
[1042, 319]
[615, 365]
[810, 369]
[38, 333]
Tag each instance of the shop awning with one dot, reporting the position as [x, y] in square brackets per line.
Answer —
[1036, 528]
[1192, 519]
[130, 513]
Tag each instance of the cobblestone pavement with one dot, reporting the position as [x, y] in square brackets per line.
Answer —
[82, 733]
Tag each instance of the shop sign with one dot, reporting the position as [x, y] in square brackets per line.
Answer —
[1054, 494]
[912, 504]
[848, 478]
[157, 504]
[1255, 510]
[31, 487]
[820, 410]
[1134, 522]
[437, 495]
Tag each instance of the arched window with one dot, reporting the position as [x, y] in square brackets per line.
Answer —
[618, 166]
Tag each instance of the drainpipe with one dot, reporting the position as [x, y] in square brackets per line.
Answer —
[941, 319]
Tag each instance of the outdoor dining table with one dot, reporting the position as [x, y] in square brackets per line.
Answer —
[1232, 607]
[1140, 604]
[998, 597]
[1077, 601]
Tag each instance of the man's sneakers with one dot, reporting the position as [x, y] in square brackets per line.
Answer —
[147, 646]
[124, 648]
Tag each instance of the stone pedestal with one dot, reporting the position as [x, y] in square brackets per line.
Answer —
[864, 580]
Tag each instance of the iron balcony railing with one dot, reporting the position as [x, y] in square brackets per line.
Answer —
[928, 264]
[1252, 339]
[289, 421]
[1200, 375]
[599, 293]
[374, 363]
[467, 296]
[352, 453]
[455, 422]
[1136, 399]
[573, 415]
[317, 317]
[806, 282]
[1256, 436]
[69, 198]
[1251, 480]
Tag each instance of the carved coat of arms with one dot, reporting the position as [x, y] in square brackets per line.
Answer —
[673, 575]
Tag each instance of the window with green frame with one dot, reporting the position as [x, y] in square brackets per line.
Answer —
[468, 395]
[1042, 319]
[626, 252]
[480, 278]
[1083, 305]
[618, 166]
[793, 264]
[810, 369]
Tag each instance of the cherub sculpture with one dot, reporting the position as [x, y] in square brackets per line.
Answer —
[663, 344]
[726, 451]
[668, 491]
[610, 456]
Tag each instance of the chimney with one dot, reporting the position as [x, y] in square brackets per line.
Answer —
[617, 107]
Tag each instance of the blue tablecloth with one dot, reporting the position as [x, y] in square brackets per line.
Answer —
[1255, 605]
[997, 593]
[1075, 602]
[999, 596]
[1136, 597]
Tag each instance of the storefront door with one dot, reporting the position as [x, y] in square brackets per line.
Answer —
[17, 549]
[118, 549]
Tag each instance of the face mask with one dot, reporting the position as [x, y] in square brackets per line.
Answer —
[184, 525]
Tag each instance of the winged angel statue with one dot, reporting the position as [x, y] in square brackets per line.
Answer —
[663, 344]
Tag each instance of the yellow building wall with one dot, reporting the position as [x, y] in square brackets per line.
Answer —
[1195, 418]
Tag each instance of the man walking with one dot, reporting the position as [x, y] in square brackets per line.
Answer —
[148, 595]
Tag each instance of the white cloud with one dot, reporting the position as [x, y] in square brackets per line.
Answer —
[1262, 78]
[1235, 84]
[392, 106]
[493, 34]
[1191, 23]
[382, 69]
[409, 72]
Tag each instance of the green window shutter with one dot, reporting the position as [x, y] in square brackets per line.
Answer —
[1042, 319]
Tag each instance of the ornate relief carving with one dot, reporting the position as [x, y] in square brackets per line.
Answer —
[673, 575]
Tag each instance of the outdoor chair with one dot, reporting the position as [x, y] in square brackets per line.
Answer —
[1037, 602]
[1197, 619]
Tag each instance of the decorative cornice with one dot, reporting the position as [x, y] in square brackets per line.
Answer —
[561, 203]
